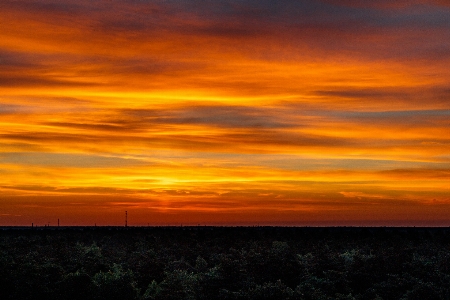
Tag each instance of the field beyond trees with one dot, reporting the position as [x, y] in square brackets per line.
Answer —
[224, 263]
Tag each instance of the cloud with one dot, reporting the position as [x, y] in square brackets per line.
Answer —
[361, 195]
[241, 129]
[66, 160]
[423, 174]
[222, 107]
[38, 81]
[213, 115]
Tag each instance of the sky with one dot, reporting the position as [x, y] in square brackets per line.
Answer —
[220, 112]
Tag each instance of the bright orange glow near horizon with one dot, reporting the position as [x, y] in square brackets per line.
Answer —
[225, 113]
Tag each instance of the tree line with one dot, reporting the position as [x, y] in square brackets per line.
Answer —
[225, 263]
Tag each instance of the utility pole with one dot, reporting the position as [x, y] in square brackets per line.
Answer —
[126, 218]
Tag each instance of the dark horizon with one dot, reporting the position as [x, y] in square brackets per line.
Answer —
[225, 112]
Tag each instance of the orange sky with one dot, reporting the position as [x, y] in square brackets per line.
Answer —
[225, 112]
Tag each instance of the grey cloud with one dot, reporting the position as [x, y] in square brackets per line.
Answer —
[32, 80]
[220, 116]
[11, 108]
[66, 160]
[437, 94]
[48, 6]
[362, 93]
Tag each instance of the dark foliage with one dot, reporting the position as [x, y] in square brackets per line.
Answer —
[224, 263]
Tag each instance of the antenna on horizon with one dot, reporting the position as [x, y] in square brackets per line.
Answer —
[126, 218]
